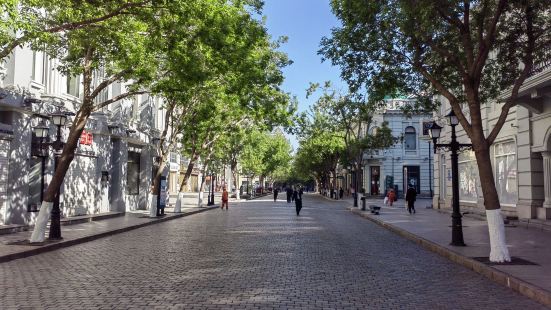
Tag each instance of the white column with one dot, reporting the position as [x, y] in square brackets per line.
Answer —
[547, 178]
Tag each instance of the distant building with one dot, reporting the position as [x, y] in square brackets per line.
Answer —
[407, 163]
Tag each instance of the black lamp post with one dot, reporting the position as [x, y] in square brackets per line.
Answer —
[454, 147]
[41, 131]
[210, 197]
[212, 188]
[355, 182]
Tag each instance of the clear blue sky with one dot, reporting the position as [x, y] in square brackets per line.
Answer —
[304, 22]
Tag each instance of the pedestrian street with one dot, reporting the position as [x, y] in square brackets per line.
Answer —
[257, 255]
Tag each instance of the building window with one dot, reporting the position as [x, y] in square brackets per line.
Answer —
[469, 181]
[505, 167]
[73, 85]
[410, 139]
[133, 174]
[173, 157]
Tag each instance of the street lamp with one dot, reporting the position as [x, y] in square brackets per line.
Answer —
[211, 191]
[355, 181]
[454, 147]
[41, 131]
[212, 187]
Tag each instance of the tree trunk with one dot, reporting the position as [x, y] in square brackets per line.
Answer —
[201, 188]
[233, 168]
[63, 163]
[496, 228]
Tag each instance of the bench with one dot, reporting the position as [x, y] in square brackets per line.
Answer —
[374, 209]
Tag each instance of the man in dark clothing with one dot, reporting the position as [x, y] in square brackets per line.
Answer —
[276, 191]
[341, 193]
[411, 195]
[298, 200]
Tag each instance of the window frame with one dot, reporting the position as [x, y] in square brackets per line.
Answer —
[414, 134]
[495, 156]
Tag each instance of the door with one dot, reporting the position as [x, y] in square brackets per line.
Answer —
[411, 178]
[4, 164]
[375, 180]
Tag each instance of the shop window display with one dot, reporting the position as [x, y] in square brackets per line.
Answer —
[469, 180]
[505, 168]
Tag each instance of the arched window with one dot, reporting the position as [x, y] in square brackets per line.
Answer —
[410, 139]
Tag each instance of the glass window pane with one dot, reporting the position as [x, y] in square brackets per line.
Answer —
[506, 172]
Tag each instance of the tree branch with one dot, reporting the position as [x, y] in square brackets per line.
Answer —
[101, 86]
[486, 44]
[528, 61]
[80, 24]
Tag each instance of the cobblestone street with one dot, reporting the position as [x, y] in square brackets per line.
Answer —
[257, 255]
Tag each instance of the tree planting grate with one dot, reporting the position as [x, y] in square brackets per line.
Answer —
[515, 261]
[153, 218]
[27, 242]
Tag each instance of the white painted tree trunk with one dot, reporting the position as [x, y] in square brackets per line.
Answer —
[499, 252]
[153, 206]
[179, 202]
[200, 200]
[39, 232]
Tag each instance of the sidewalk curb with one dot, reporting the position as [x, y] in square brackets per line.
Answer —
[520, 286]
[68, 243]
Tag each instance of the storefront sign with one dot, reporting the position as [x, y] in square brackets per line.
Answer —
[164, 195]
[86, 138]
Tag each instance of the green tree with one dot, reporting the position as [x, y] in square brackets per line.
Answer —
[119, 49]
[34, 22]
[353, 120]
[469, 52]
[318, 156]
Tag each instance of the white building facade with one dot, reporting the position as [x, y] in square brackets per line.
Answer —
[114, 161]
[406, 163]
[521, 156]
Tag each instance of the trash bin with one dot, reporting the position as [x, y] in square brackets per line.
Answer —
[363, 203]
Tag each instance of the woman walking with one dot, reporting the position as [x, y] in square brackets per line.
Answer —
[224, 199]
[297, 195]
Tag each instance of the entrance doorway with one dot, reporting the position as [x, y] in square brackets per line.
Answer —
[375, 179]
[411, 178]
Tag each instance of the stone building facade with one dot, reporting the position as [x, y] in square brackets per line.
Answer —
[521, 155]
[115, 159]
[406, 163]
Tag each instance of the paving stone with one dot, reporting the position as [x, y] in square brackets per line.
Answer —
[257, 255]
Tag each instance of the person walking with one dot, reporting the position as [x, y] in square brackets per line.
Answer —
[293, 193]
[411, 195]
[298, 200]
[276, 191]
[341, 193]
[391, 197]
[225, 197]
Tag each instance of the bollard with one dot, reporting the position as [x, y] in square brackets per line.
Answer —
[363, 203]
